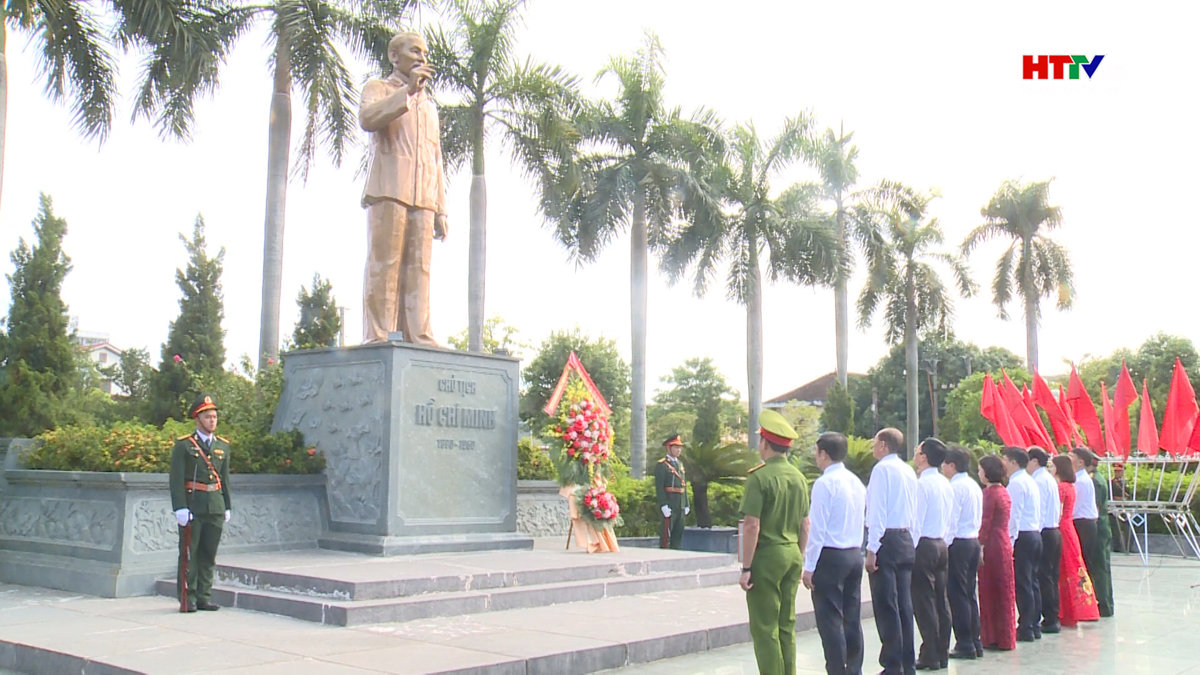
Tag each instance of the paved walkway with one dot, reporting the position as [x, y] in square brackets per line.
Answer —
[1156, 631]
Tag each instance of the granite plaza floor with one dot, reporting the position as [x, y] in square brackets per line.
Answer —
[1156, 631]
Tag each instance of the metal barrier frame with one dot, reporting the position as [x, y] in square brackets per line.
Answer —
[1172, 504]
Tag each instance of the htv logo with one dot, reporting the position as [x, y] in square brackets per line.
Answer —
[1041, 65]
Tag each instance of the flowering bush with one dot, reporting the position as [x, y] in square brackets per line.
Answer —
[599, 506]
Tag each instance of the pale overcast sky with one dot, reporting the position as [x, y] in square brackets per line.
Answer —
[932, 90]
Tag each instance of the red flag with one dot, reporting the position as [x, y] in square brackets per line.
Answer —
[991, 406]
[1076, 439]
[1123, 395]
[1033, 432]
[1058, 419]
[1147, 431]
[1110, 444]
[1027, 399]
[1180, 415]
[1194, 442]
[1084, 412]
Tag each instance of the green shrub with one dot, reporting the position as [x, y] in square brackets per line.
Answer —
[533, 463]
[143, 448]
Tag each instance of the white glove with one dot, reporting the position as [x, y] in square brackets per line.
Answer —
[666, 511]
[183, 516]
[227, 514]
[687, 510]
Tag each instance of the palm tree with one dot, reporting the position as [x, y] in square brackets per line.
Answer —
[904, 280]
[628, 171]
[833, 156]
[305, 37]
[1035, 264]
[744, 222]
[714, 462]
[526, 102]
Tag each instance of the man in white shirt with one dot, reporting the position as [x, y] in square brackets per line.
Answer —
[833, 561]
[1025, 531]
[966, 516]
[1086, 515]
[931, 606]
[891, 513]
[1051, 510]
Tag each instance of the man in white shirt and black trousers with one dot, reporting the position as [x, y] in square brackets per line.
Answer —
[966, 516]
[1051, 511]
[833, 561]
[891, 512]
[931, 567]
[1025, 531]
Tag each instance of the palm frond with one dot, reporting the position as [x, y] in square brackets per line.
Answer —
[76, 63]
[1002, 281]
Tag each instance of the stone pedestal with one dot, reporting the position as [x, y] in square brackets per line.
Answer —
[420, 445]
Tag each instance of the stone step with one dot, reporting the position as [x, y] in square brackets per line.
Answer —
[338, 577]
[346, 612]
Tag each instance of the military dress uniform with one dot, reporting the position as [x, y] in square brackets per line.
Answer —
[670, 487]
[777, 494]
[199, 482]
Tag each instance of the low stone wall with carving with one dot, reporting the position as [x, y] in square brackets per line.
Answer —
[113, 534]
[541, 511]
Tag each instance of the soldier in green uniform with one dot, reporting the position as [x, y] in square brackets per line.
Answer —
[670, 485]
[775, 507]
[200, 499]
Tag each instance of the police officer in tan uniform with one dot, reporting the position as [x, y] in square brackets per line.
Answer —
[200, 498]
[670, 487]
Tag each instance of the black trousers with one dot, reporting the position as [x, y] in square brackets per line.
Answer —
[1048, 575]
[930, 605]
[1027, 554]
[964, 604]
[1089, 543]
[837, 606]
[891, 600]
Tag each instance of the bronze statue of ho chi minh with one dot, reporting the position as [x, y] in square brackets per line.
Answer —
[405, 195]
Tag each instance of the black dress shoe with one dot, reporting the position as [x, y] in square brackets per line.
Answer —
[207, 607]
[1056, 628]
[961, 654]
[926, 666]
[1025, 638]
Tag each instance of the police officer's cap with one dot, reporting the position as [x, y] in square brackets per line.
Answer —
[774, 428]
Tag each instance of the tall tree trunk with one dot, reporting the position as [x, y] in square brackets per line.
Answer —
[700, 503]
[638, 302]
[754, 346]
[912, 426]
[3, 91]
[841, 306]
[1031, 330]
[279, 140]
[477, 255]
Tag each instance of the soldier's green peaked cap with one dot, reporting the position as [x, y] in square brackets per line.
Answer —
[774, 428]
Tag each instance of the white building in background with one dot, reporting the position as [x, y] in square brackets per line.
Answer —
[103, 353]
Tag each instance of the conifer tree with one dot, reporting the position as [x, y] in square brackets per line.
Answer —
[39, 359]
[194, 354]
[320, 323]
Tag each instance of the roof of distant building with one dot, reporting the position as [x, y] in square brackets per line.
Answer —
[816, 391]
